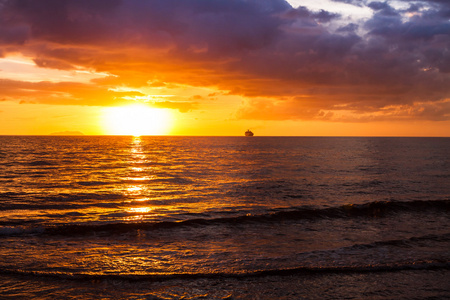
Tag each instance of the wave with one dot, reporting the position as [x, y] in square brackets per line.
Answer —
[373, 209]
[37, 163]
[68, 206]
[381, 208]
[62, 201]
[413, 266]
[19, 230]
[404, 243]
[93, 183]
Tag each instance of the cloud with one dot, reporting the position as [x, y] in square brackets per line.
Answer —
[181, 106]
[52, 64]
[303, 13]
[383, 8]
[290, 63]
[62, 93]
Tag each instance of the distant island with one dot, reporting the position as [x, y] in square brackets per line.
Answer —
[67, 133]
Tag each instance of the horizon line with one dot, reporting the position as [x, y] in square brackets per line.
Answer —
[257, 136]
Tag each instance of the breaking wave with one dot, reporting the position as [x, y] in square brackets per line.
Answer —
[369, 210]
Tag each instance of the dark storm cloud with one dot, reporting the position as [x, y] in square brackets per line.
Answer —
[424, 38]
[288, 61]
[304, 13]
[383, 8]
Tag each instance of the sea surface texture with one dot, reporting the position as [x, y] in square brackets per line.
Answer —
[224, 217]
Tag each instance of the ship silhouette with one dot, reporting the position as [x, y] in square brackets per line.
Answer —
[248, 133]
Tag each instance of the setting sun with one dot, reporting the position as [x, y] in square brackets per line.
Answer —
[136, 120]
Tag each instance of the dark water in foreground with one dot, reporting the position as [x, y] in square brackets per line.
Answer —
[224, 217]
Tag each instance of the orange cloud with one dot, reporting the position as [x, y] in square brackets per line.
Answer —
[290, 63]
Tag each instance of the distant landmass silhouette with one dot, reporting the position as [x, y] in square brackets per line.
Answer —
[67, 133]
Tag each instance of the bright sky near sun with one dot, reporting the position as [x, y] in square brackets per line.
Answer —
[302, 67]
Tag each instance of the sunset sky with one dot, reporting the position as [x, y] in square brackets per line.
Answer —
[220, 67]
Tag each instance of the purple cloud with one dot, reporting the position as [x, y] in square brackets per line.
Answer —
[288, 60]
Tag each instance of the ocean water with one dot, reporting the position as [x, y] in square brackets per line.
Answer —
[224, 217]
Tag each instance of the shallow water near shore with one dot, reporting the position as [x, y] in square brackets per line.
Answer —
[224, 217]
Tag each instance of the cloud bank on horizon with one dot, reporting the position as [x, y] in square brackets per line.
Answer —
[287, 62]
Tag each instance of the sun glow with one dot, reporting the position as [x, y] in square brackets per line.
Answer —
[137, 120]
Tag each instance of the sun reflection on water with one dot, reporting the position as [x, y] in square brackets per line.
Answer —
[134, 189]
[137, 176]
[141, 210]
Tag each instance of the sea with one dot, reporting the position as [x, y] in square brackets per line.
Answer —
[171, 217]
